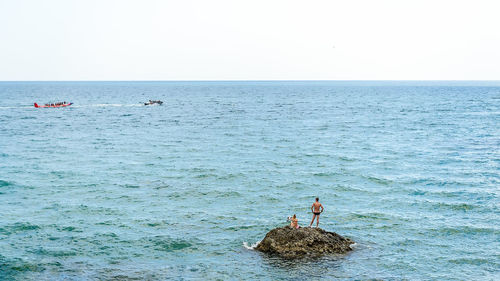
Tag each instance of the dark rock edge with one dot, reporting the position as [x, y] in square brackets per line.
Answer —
[289, 242]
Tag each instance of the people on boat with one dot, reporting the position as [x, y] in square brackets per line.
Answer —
[55, 104]
[150, 102]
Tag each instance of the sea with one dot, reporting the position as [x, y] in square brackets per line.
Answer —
[111, 189]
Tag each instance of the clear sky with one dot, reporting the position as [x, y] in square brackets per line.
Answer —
[249, 40]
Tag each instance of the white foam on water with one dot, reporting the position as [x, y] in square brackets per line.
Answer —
[107, 105]
[84, 105]
[12, 107]
[251, 247]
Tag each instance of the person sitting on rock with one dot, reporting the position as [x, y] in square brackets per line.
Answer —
[294, 222]
[315, 208]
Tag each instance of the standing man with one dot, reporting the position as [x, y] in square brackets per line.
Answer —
[315, 208]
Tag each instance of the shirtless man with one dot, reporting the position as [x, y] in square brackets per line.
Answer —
[315, 208]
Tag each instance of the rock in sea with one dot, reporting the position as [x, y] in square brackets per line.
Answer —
[289, 242]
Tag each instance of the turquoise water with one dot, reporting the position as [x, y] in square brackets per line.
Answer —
[109, 189]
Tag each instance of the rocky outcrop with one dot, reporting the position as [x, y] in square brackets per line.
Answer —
[289, 242]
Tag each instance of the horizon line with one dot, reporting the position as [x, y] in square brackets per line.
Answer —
[269, 80]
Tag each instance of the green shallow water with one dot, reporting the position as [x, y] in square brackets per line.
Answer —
[109, 189]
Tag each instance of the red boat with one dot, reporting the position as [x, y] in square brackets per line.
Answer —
[53, 105]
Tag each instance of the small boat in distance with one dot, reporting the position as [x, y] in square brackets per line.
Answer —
[151, 102]
[58, 104]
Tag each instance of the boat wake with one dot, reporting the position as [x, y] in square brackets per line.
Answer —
[107, 105]
[13, 107]
[78, 106]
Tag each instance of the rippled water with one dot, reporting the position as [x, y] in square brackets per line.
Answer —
[109, 189]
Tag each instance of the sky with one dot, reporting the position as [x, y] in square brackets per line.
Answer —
[249, 40]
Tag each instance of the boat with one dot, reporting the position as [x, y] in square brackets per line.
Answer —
[151, 102]
[53, 105]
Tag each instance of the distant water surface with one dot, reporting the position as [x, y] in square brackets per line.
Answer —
[110, 189]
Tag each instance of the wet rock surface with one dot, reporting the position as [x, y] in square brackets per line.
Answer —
[288, 242]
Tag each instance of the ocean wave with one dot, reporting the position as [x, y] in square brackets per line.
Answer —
[482, 113]
[418, 192]
[378, 180]
[19, 227]
[315, 155]
[463, 231]
[9, 268]
[220, 194]
[469, 195]
[52, 253]
[96, 210]
[5, 183]
[241, 227]
[407, 242]
[346, 159]
[367, 216]
[268, 198]
[459, 206]
[70, 229]
[326, 174]
[435, 182]
[202, 176]
[340, 188]
[248, 246]
[230, 176]
[474, 261]
[160, 243]
[355, 245]
[131, 186]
